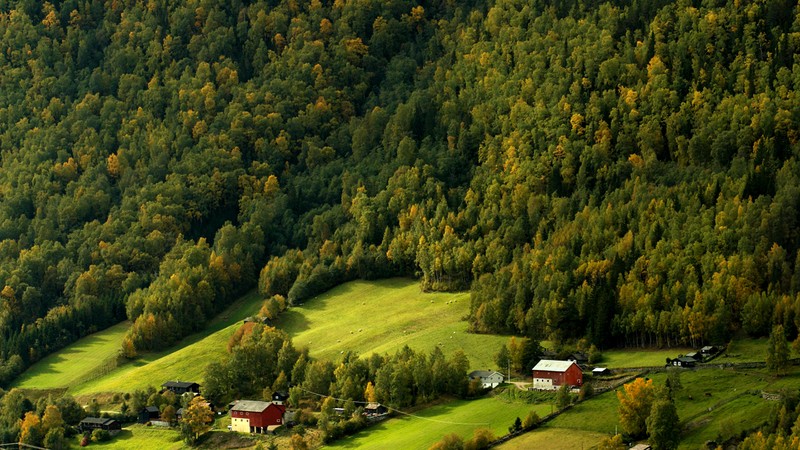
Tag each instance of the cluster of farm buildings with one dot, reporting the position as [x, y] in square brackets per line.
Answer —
[255, 416]
[247, 416]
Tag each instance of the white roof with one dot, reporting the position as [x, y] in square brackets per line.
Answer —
[599, 369]
[552, 365]
[483, 374]
[250, 406]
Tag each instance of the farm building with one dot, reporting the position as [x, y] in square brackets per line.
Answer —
[375, 409]
[600, 371]
[550, 374]
[682, 361]
[579, 357]
[149, 413]
[181, 387]
[280, 397]
[251, 416]
[489, 379]
[98, 423]
[695, 356]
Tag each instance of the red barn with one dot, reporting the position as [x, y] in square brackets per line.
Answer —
[250, 416]
[550, 374]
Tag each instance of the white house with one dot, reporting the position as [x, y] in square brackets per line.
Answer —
[489, 379]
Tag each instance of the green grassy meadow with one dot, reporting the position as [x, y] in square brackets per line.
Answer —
[137, 437]
[553, 439]
[429, 425]
[709, 403]
[74, 363]
[375, 316]
[184, 361]
[632, 357]
[382, 316]
[75, 366]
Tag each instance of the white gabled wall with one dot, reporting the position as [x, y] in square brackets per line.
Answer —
[240, 425]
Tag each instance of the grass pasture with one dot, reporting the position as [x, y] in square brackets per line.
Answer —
[382, 316]
[185, 361]
[137, 437]
[553, 439]
[711, 403]
[75, 362]
[428, 426]
[634, 357]
[364, 316]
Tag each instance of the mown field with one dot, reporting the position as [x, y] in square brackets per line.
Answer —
[139, 437]
[383, 316]
[364, 316]
[185, 361]
[82, 367]
[553, 439]
[634, 357]
[74, 363]
[425, 427]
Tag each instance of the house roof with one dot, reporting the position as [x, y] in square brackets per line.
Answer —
[373, 406]
[179, 384]
[250, 406]
[483, 374]
[551, 365]
[98, 420]
[579, 356]
[599, 369]
[151, 409]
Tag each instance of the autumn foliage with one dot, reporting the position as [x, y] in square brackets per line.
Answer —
[635, 401]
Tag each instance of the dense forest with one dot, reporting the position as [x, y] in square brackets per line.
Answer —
[623, 172]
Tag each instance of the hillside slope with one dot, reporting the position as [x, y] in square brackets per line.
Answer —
[361, 316]
[624, 173]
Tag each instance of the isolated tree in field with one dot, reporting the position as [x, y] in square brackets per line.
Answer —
[197, 418]
[502, 358]
[563, 397]
[663, 426]
[516, 426]
[777, 351]
[481, 439]
[635, 402]
[612, 443]
[587, 390]
[450, 441]
[531, 420]
[673, 382]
